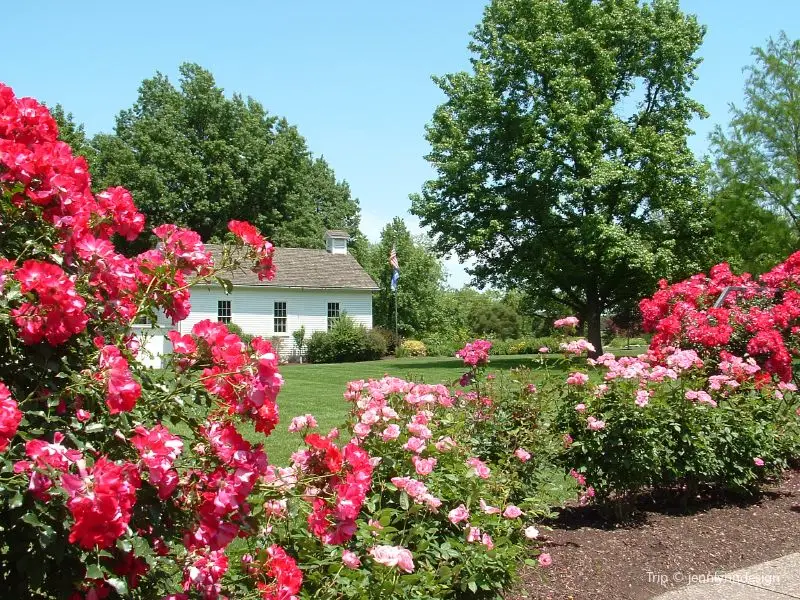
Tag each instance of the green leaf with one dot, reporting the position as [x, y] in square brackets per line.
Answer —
[16, 501]
[120, 585]
[94, 571]
[31, 519]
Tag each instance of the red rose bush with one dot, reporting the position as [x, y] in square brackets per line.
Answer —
[121, 480]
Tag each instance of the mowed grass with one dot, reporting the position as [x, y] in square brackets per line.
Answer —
[319, 389]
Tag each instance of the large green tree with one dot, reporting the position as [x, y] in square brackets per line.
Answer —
[562, 160]
[756, 176]
[419, 289]
[192, 156]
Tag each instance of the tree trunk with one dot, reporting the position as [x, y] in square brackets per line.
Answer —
[593, 325]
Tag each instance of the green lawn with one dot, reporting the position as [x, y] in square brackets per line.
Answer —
[318, 389]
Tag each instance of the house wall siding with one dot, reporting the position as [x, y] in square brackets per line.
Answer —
[252, 309]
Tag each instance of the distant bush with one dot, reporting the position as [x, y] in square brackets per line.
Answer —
[389, 337]
[345, 342]
[411, 348]
[245, 337]
[524, 345]
[446, 343]
[499, 321]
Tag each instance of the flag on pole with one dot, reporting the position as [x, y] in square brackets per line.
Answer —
[395, 268]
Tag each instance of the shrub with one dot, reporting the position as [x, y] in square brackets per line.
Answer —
[512, 428]
[389, 338]
[498, 320]
[120, 480]
[411, 348]
[345, 342]
[653, 426]
[446, 343]
[758, 318]
[525, 346]
[245, 337]
[430, 493]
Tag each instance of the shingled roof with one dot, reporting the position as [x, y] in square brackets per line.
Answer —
[306, 268]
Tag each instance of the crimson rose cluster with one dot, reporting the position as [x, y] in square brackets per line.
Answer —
[758, 317]
[118, 479]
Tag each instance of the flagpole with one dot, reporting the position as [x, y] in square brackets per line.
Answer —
[395, 278]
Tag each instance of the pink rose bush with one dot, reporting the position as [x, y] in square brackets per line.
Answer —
[425, 507]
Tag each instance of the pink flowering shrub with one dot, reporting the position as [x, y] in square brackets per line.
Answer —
[510, 428]
[667, 419]
[437, 519]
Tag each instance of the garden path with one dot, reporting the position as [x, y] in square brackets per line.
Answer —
[772, 580]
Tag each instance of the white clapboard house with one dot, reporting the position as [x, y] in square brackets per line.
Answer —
[311, 288]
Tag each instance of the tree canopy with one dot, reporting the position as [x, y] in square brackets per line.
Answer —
[756, 176]
[194, 157]
[562, 162]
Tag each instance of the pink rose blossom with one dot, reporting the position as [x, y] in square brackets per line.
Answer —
[544, 350]
[361, 430]
[522, 454]
[512, 512]
[577, 347]
[578, 477]
[566, 322]
[415, 445]
[642, 398]
[392, 432]
[458, 514]
[479, 468]
[302, 422]
[473, 534]
[423, 466]
[759, 462]
[489, 510]
[486, 540]
[419, 430]
[700, 396]
[444, 444]
[577, 378]
[350, 560]
[393, 556]
[581, 408]
[595, 424]
[545, 560]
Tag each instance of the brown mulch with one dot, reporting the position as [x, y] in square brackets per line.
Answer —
[662, 545]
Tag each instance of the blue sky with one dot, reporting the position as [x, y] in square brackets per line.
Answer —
[353, 75]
